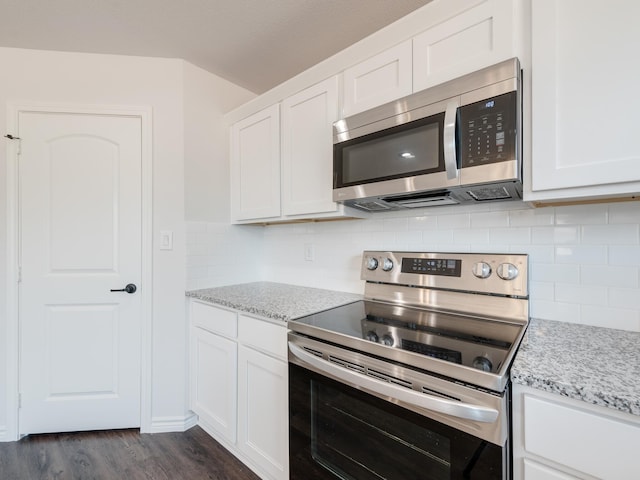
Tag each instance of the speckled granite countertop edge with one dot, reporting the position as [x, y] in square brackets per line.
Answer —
[275, 301]
[599, 366]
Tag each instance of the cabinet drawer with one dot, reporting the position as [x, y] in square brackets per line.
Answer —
[263, 335]
[582, 440]
[214, 319]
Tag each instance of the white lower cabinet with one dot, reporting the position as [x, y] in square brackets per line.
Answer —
[555, 437]
[239, 385]
[213, 383]
[263, 413]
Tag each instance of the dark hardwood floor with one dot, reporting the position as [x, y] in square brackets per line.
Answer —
[120, 454]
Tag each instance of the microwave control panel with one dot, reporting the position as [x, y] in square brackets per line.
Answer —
[489, 130]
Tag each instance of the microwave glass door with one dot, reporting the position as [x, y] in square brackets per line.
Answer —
[413, 148]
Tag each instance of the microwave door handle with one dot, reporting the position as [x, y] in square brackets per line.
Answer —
[449, 139]
[422, 400]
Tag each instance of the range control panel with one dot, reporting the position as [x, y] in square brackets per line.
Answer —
[500, 274]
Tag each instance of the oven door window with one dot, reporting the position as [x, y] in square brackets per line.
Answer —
[337, 431]
[410, 149]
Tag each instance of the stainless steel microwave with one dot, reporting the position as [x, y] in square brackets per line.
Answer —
[458, 142]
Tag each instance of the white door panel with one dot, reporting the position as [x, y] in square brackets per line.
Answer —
[80, 209]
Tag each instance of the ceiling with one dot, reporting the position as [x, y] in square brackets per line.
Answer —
[256, 44]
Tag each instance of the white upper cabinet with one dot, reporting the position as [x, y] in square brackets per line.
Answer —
[255, 166]
[585, 100]
[379, 79]
[307, 149]
[474, 39]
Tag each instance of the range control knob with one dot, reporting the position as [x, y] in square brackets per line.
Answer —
[387, 264]
[482, 363]
[482, 270]
[507, 271]
[388, 340]
[372, 336]
[372, 263]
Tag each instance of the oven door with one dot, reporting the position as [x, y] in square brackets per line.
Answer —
[340, 431]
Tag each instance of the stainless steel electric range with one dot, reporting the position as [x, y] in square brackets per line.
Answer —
[413, 381]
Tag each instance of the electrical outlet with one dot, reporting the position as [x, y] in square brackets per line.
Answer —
[309, 252]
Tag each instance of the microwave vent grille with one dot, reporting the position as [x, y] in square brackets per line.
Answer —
[489, 193]
[372, 206]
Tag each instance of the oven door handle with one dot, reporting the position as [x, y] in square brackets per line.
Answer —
[422, 400]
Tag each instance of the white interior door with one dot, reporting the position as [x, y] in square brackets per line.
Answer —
[80, 214]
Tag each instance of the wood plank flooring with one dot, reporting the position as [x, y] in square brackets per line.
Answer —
[120, 454]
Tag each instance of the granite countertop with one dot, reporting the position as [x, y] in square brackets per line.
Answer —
[277, 301]
[600, 366]
[597, 365]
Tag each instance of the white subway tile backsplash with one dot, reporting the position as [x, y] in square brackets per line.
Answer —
[582, 269]
[395, 224]
[626, 234]
[532, 217]
[471, 236]
[555, 235]
[542, 290]
[544, 272]
[626, 212]
[581, 255]
[624, 255]
[489, 219]
[609, 276]
[518, 235]
[409, 237]
[454, 221]
[433, 237]
[624, 298]
[621, 318]
[582, 214]
[552, 310]
[423, 223]
[581, 294]
[537, 253]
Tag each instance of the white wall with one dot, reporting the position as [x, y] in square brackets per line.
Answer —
[206, 171]
[584, 260]
[170, 88]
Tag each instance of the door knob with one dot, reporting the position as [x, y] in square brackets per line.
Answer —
[130, 288]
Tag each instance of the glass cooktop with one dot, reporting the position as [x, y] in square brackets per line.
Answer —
[416, 336]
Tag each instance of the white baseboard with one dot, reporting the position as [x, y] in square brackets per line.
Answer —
[172, 424]
[3, 435]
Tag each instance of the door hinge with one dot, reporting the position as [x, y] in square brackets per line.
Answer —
[20, 274]
[19, 400]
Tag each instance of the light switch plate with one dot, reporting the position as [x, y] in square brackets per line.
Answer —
[166, 240]
[309, 252]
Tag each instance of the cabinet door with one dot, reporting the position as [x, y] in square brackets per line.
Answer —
[585, 99]
[213, 381]
[559, 437]
[380, 79]
[255, 166]
[474, 39]
[263, 412]
[307, 149]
